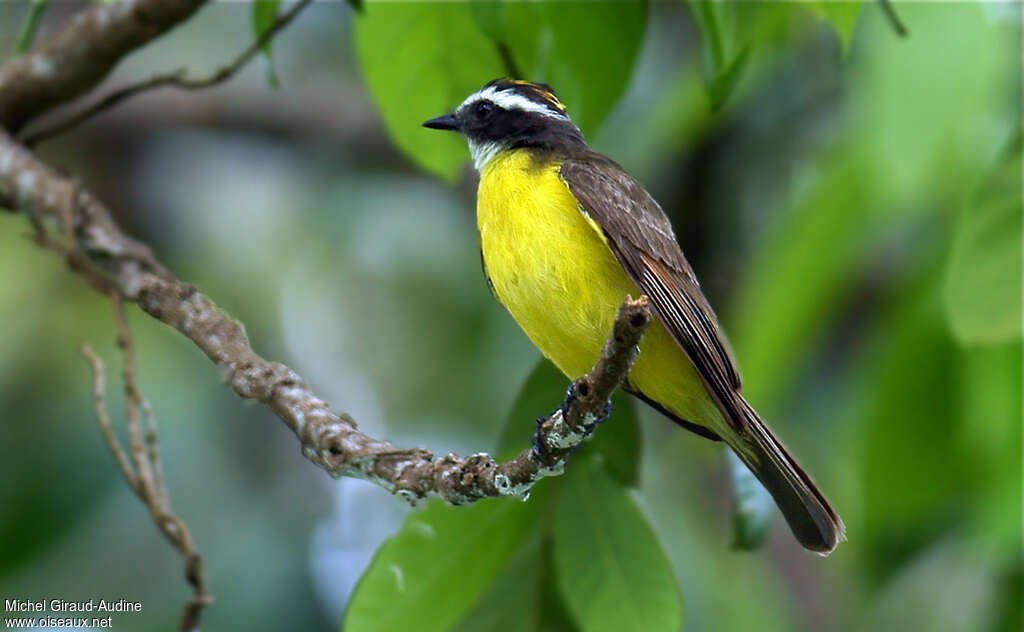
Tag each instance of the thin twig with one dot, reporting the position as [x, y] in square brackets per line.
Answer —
[893, 18]
[80, 54]
[176, 79]
[146, 480]
[98, 395]
[36, 9]
[133, 401]
[153, 452]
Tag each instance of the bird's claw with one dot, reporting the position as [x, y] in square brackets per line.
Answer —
[570, 396]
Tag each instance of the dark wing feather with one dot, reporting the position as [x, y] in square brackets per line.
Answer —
[641, 237]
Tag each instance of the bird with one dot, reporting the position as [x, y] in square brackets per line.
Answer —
[565, 235]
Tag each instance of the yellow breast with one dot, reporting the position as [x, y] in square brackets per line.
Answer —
[551, 268]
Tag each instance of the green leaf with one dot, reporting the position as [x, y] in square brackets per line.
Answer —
[489, 16]
[724, 54]
[842, 15]
[989, 436]
[36, 9]
[610, 567]
[618, 438]
[722, 84]
[752, 505]
[983, 285]
[513, 598]
[585, 50]
[553, 613]
[523, 598]
[716, 21]
[732, 32]
[264, 14]
[435, 569]
[908, 407]
[420, 60]
[356, 5]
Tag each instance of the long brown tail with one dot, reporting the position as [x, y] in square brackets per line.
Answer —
[809, 515]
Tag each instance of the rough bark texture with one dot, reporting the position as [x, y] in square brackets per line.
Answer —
[82, 54]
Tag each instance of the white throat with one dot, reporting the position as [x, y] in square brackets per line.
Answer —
[483, 153]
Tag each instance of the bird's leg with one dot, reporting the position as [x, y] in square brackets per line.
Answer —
[603, 418]
[570, 396]
[538, 442]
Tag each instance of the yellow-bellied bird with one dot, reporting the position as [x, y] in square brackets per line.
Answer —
[566, 234]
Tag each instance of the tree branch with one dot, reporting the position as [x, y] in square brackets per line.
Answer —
[175, 79]
[73, 222]
[142, 470]
[328, 439]
[82, 54]
[893, 18]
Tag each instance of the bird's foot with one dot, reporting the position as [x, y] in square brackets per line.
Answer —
[538, 441]
[570, 397]
[600, 420]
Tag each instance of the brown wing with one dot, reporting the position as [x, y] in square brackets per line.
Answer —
[641, 237]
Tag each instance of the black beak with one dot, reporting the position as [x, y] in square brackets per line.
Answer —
[448, 121]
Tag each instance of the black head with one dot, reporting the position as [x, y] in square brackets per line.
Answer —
[509, 113]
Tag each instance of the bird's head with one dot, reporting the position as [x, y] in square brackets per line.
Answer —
[510, 113]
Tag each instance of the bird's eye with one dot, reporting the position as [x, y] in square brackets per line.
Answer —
[483, 109]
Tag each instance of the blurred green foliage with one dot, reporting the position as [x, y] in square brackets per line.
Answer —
[442, 54]
[612, 572]
[264, 14]
[986, 254]
[850, 200]
[449, 50]
[869, 222]
[586, 49]
[440, 563]
[36, 10]
[449, 563]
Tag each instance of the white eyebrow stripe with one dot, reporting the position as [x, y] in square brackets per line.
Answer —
[510, 101]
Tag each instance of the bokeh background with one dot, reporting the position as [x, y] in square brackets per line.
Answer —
[853, 212]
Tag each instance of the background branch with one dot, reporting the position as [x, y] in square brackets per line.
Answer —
[82, 54]
[142, 470]
[172, 79]
[893, 18]
[329, 439]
